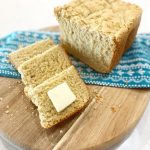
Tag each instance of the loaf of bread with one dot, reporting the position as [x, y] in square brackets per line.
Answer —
[47, 112]
[98, 31]
[43, 66]
[23, 54]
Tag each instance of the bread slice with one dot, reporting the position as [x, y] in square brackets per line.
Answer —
[37, 69]
[99, 31]
[28, 90]
[23, 54]
[47, 112]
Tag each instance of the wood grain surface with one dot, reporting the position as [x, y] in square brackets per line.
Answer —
[109, 118]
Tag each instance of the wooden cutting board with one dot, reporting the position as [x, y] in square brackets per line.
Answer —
[108, 119]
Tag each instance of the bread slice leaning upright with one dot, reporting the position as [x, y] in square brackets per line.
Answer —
[98, 32]
[18, 57]
[43, 66]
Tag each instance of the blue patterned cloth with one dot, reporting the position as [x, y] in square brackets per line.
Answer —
[133, 71]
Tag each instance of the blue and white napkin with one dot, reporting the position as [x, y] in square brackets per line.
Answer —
[133, 71]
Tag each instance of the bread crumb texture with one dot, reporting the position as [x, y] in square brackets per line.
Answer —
[23, 54]
[44, 66]
[47, 112]
[98, 31]
[44, 71]
[108, 16]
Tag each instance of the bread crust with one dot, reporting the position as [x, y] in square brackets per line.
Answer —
[46, 125]
[21, 55]
[68, 112]
[34, 66]
[77, 15]
[124, 43]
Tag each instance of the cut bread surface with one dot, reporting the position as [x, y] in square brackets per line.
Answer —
[99, 31]
[44, 66]
[47, 112]
[23, 54]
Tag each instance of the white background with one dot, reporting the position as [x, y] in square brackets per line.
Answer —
[35, 14]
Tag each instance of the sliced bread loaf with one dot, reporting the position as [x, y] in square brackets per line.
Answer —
[47, 112]
[43, 66]
[98, 31]
[23, 54]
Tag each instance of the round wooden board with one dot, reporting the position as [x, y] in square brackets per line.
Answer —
[110, 116]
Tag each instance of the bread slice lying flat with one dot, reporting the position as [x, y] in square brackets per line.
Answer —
[98, 31]
[28, 90]
[23, 54]
[37, 69]
[47, 112]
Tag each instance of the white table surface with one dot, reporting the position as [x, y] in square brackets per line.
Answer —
[35, 14]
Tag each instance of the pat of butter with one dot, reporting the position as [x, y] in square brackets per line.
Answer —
[61, 96]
